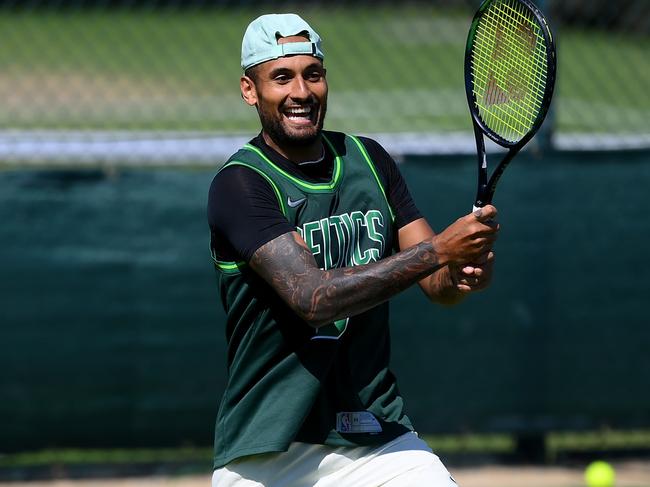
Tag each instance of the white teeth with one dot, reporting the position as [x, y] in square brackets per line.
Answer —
[299, 112]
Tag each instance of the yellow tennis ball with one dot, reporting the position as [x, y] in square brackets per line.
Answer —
[600, 474]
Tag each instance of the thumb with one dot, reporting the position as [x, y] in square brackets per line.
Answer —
[485, 213]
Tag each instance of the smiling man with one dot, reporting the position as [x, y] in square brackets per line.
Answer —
[312, 232]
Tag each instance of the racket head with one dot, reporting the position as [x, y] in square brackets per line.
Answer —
[510, 64]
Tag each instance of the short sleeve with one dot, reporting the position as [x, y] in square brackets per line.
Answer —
[243, 213]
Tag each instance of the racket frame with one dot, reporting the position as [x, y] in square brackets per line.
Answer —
[486, 187]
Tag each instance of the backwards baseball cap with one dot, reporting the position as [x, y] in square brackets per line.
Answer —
[260, 43]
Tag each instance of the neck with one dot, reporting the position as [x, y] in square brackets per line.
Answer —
[297, 153]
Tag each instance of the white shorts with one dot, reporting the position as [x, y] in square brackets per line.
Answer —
[406, 461]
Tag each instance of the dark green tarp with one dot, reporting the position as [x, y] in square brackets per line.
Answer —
[111, 331]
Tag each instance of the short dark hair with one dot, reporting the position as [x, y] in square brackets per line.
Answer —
[252, 73]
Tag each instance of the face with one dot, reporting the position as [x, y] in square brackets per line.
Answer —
[291, 98]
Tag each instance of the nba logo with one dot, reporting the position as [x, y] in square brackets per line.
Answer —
[345, 425]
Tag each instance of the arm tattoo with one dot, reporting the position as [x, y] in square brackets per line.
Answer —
[321, 297]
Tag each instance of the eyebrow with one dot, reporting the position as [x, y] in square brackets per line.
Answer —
[315, 65]
[283, 70]
[277, 71]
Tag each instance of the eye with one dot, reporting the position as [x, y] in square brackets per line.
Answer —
[314, 76]
[282, 78]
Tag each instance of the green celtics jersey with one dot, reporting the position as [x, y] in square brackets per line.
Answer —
[288, 381]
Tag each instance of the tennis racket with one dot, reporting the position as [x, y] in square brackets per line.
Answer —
[509, 79]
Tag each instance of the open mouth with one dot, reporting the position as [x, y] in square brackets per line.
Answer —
[303, 115]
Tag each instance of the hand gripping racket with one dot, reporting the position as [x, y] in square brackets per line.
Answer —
[509, 79]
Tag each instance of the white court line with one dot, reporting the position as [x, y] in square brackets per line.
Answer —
[601, 142]
[180, 148]
[201, 149]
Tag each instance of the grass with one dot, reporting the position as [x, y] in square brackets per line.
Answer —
[599, 440]
[471, 443]
[391, 68]
[557, 443]
[106, 457]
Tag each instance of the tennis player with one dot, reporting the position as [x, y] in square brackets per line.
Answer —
[312, 232]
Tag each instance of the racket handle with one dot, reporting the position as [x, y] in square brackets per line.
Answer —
[474, 208]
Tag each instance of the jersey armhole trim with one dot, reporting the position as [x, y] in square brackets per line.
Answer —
[234, 267]
[229, 267]
[371, 165]
[274, 186]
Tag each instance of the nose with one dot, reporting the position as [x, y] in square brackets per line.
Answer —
[299, 89]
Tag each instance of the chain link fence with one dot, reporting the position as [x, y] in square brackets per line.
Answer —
[158, 81]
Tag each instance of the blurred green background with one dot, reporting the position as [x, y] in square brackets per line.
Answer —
[111, 331]
[393, 68]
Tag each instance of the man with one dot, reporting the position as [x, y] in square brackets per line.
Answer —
[311, 233]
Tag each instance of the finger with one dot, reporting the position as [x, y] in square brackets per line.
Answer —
[472, 272]
[493, 224]
[483, 229]
[470, 279]
[468, 286]
[477, 248]
[490, 239]
[482, 273]
[468, 270]
[483, 259]
[481, 246]
[472, 284]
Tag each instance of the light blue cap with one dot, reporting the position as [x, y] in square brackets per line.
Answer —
[260, 43]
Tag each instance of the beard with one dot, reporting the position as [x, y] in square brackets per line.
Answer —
[282, 134]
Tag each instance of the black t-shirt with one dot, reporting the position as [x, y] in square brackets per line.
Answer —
[243, 211]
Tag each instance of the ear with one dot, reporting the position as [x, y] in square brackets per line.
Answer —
[248, 90]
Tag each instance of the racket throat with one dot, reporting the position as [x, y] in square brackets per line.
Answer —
[482, 186]
[482, 197]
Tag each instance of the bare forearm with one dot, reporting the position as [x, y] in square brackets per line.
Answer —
[321, 297]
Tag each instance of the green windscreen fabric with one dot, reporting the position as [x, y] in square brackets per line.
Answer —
[112, 331]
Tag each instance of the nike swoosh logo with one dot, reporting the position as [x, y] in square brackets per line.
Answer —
[295, 203]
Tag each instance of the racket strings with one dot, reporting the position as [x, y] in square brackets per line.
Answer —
[494, 97]
[513, 42]
[516, 85]
[520, 53]
[509, 67]
[497, 101]
[537, 41]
